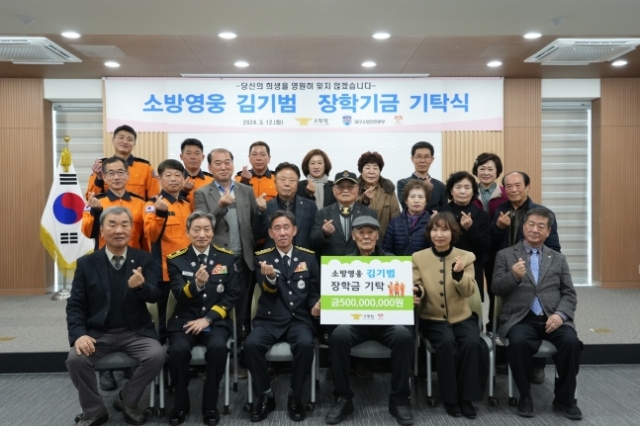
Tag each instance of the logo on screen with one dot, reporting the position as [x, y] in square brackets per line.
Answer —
[346, 120]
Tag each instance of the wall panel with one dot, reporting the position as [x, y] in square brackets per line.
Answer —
[460, 149]
[522, 130]
[616, 176]
[25, 179]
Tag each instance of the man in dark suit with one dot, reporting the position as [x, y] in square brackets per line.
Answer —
[204, 283]
[234, 206]
[331, 233]
[107, 312]
[539, 302]
[399, 338]
[288, 276]
[287, 178]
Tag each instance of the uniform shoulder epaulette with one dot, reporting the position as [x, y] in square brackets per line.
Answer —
[136, 196]
[224, 250]
[267, 250]
[141, 160]
[207, 174]
[177, 253]
[305, 250]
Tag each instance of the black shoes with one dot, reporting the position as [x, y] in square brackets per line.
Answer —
[99, 419]
[452, 409]
[263, 407]
[537, 376]
[211, 417]
[339, 411]
[569, 411]
[468, 410]
[402, 414]
[178, 417]
[296, 409]
[107, 381]
[525, 406]
[132, 415]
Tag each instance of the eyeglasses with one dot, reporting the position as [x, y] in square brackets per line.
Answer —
[112, 173]
[423, 157]
[285, 180]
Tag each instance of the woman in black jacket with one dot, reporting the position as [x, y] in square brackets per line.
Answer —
[405, 234]
[462, 189]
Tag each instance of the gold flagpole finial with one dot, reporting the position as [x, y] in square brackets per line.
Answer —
[65, 158]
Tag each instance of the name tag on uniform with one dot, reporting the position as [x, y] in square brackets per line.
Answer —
[302, 266]
[219, 270]
[187, 273]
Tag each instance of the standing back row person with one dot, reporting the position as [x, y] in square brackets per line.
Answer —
[304, 210]
[259, 177]
[142, 177]
[422, 156]
[316, 166]
[192, 155]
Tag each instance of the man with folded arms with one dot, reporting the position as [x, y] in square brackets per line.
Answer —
[107, 312]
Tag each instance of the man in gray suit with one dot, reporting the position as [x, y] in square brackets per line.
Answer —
[539, 302]
[331, 233]
[234, 206]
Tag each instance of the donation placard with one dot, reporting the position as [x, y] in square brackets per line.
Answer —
[366, 290]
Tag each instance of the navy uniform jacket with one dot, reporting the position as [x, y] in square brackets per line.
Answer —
[291, 296]
[305, 217]
[90, 300]
[217, 298]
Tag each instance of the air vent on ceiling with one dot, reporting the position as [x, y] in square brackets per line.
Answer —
[579, 51]
[33, 51]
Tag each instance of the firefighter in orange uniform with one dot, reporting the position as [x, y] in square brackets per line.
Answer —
[191, 154]
[142, 178]
[165, 224]
[116, 174]
[260, 178]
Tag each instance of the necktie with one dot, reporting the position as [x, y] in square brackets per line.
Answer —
[285, 265]
[203, 259]
[534, 263]
[117, 261]
[287, 205]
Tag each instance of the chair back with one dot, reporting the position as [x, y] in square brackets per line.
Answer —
[475, 303]
[257, 292]
[171, 306]
[496, 311]
[153, 310]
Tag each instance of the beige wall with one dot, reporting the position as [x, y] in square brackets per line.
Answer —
[26, 170]
[616, 183]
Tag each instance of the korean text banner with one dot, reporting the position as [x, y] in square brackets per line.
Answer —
[309, 104]
[371, 290]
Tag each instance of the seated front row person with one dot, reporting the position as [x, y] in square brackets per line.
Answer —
[107, 312]
[444, 276]
[204, 282]
[288, 277]
[539, 302]
[399, 338]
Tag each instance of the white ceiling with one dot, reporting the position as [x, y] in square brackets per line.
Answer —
[327, 27]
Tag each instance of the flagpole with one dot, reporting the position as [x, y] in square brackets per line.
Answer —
[63, 293]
